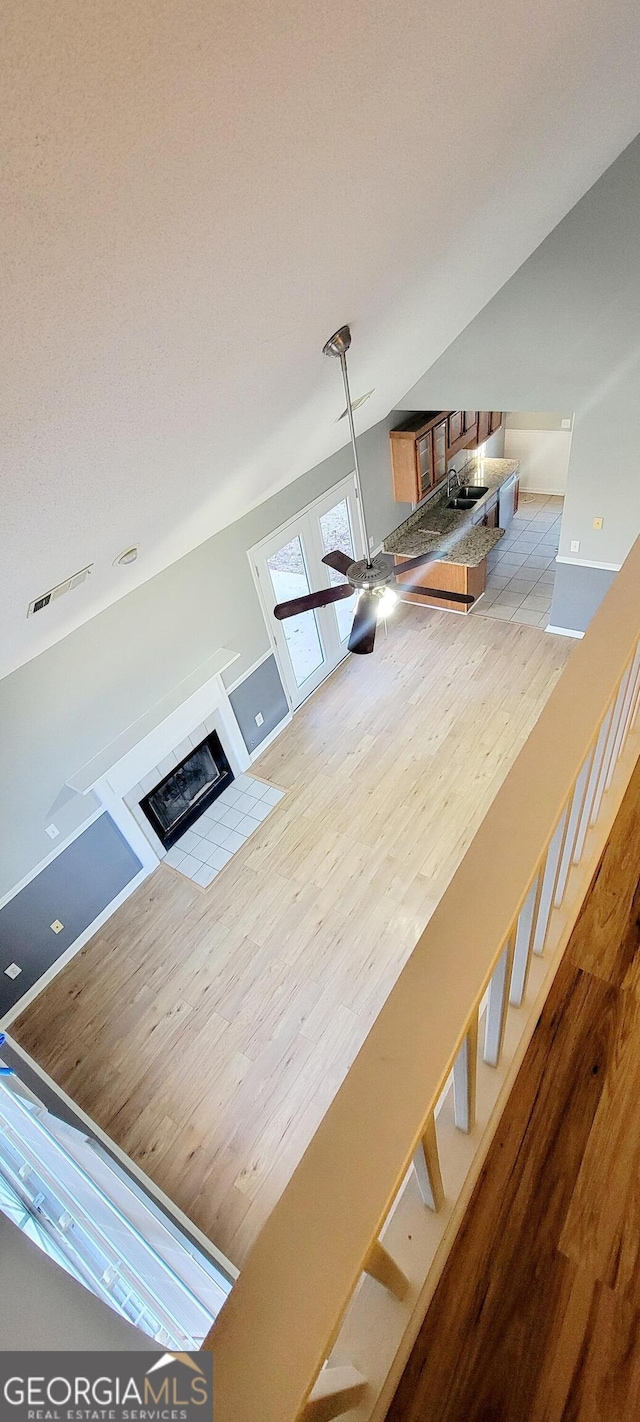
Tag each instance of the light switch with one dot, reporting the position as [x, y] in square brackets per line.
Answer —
[57, 926]
[566, 424]
[598, 522]
[575, 545]
[13, 970]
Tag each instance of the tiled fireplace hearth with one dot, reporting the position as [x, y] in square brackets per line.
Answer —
[223, 829]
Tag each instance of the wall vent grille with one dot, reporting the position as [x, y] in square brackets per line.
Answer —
[45, 598]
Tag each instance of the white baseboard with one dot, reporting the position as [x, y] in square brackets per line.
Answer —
[273, 735]
[588, 563]
[564, 631]
[73, 948]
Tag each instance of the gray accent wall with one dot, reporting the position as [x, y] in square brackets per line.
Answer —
[577, 594]
[260, 692]
[73, 888]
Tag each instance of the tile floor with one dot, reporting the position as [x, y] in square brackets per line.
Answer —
[221, 831]
[521, 567]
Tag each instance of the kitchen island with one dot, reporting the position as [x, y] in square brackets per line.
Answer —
[462, 536]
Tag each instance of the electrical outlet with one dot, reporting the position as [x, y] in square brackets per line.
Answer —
[566, 424]
[575, 545]
[52, 831]
[598, 522]
[13, 970]
[259, 719]
[56, 926]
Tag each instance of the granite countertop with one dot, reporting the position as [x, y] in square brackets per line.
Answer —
[433, 525]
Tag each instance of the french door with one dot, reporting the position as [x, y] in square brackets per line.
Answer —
[289, 564]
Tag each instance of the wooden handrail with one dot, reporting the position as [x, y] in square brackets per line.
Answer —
[284, 1313]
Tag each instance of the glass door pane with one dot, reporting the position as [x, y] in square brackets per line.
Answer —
[288, 573]
[336, 533]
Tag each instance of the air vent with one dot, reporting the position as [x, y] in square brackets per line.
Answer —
[355, 405]
[45, 598]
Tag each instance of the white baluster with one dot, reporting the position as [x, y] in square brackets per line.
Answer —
[496, 1017]
[426, 1163]
[592, 785]
[549, 876]
[335, 1392]
[464, 1078]
[577, 806]
[524, 941]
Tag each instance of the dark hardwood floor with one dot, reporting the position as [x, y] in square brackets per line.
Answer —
[537, 1315]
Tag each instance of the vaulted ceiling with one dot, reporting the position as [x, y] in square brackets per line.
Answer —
[196, 195]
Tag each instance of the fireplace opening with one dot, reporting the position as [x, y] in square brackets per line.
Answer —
[178, 801]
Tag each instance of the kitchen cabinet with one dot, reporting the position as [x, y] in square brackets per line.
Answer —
[440, 450]
[451, 577]
[487, 516]
[423, 444]
[418, 454]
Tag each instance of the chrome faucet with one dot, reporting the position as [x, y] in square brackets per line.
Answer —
[451, 475]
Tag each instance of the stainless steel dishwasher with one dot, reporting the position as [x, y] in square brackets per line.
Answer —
[506, 501]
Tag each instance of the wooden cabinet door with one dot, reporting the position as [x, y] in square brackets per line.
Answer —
[424, 462]
[404, 468]
[456, 428]
[440, 451]
[470, 420]
[496, 420]
[484, 425]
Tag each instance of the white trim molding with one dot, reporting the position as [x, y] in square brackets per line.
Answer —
[564, 631]
[588, 563]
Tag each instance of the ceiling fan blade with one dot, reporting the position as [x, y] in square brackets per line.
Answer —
[296, 605]
[434, 592]
[339, 561]
[408, 563]
[365, 621]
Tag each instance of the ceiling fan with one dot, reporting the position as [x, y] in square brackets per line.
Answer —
[373, 578]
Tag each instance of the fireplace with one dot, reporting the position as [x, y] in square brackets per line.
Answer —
[189, 788]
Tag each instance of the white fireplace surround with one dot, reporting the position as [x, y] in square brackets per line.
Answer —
[131, 767]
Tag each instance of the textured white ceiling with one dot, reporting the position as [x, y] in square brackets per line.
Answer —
[194, 197]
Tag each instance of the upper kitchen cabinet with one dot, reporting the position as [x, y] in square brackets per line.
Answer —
[419, 448]
[423, 444]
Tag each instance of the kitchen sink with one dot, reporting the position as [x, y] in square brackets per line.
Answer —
[473, 491]
[462, 503]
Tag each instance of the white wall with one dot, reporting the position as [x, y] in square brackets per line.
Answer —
[544, 458]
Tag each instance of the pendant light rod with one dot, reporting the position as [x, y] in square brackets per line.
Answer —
[338, 345]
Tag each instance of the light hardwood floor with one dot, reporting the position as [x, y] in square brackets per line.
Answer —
[207, 1031]
[537, 1314]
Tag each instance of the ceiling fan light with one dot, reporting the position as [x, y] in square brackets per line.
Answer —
[387, 603]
